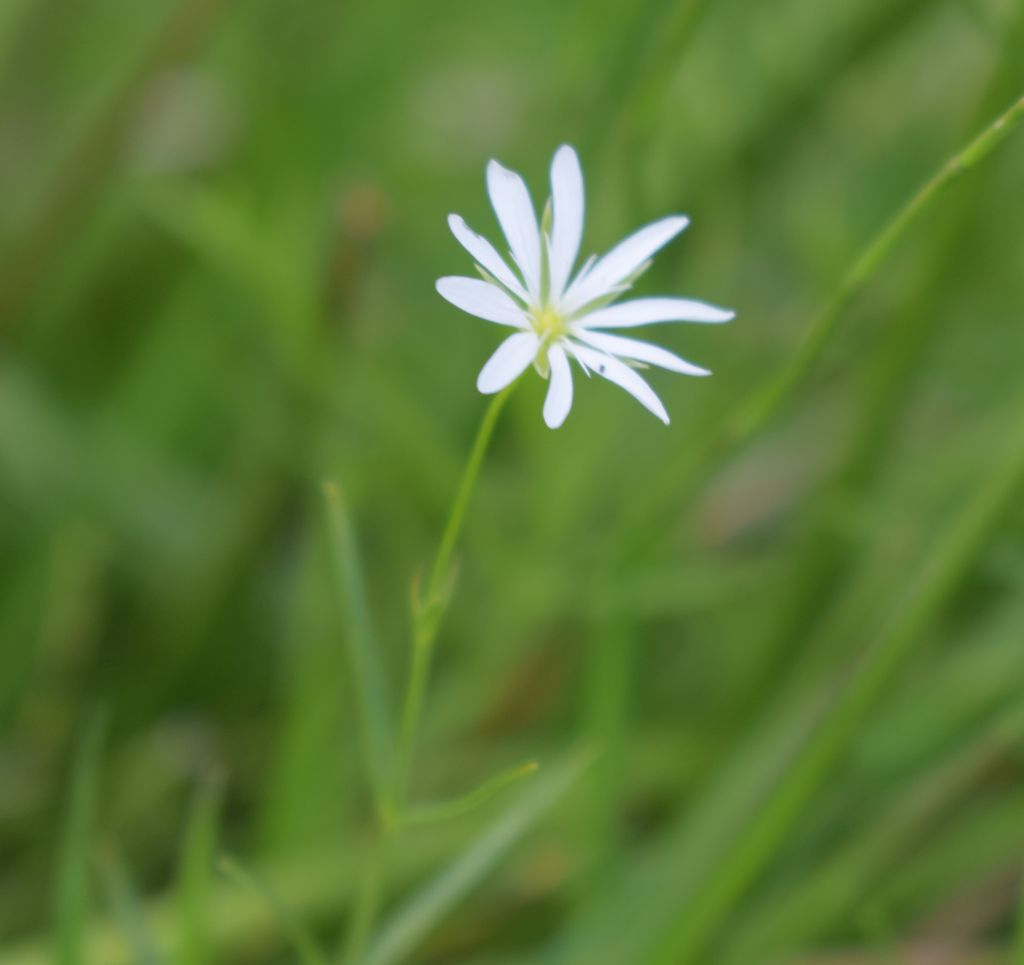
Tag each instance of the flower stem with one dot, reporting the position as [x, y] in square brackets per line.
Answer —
[428, 609]
[442, 563]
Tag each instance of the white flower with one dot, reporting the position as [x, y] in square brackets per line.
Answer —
[556, 315]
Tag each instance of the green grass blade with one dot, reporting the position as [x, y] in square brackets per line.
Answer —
[316, 884]
[195, 874]
[303, 943]
[424, 910]
[72, 898]
[304, 800]
[607, 721]
[127, 909]
[371, 694]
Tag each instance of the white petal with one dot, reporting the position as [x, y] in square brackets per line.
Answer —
[518, 220]
[558, 401]
[622, 261]
[511, 359]
[630, 348]
[485, 255]
[623, 376]
[567, 227]
[480, 298]
[646, 311]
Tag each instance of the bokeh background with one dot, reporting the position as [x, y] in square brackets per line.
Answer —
[799, 665]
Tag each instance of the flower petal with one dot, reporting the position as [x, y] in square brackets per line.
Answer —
[558, 401]
[622, 261]
[486, 255]
[630, 348]
[646, 311]
[512, 205]
[509, 361]
[623, 376]
[480, 298]
[567, 227]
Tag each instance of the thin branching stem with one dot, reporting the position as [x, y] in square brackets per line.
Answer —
[429, 608]
[441, 570]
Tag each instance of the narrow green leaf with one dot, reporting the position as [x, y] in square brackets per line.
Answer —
[414, 921]
[444, 810]
[607, 719]
[195, 874]
[371, 694]
[303, 799]
[72, 896]
[126, 907]
[301, 940]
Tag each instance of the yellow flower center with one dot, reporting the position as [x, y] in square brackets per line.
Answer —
[549, 324]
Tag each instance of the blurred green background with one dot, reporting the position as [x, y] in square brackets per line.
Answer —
[799, 663]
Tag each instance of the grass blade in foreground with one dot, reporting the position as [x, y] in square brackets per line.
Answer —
[427, 611]
[127, 908]
[415, 920]
[195, 876]
[301, 940]
[362, 647]
[316, 884]
[73, 868]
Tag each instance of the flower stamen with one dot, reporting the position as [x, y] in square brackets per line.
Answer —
[549, 324]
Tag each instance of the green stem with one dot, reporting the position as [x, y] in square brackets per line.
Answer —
[442, 563]
[368, 897]
[428, 609]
